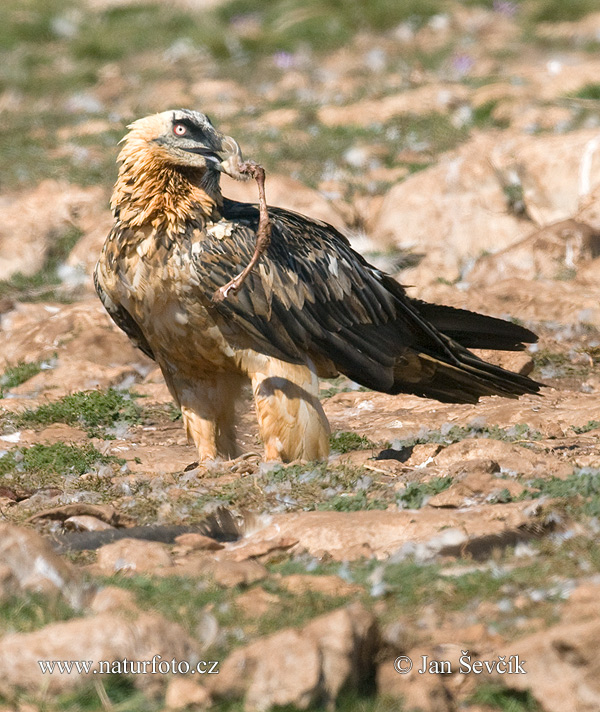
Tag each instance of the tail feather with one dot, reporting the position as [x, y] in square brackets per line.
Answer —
[475, 331]
[463, 382]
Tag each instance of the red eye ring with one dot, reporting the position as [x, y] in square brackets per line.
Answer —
[179, 130]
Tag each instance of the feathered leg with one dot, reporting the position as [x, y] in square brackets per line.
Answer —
[292, 423]
[208, 408]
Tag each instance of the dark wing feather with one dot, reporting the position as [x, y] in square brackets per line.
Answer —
[312, 294]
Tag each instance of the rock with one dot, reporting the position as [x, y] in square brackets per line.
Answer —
[29, 563]
[31, 222]
[472, 185]
[548, 253]
[101, 637]
[347, 536]
[509, 456]
[194, 542]
[85, 523]
[256, 602]
[302, 666]
[183, 693]
[259, 548]
[474, 488]
[515, 361]
[427, 99]
[561, 664]
[331, 585]
[113, 598]
[426, 693]
[133, 556]
[285, 192]
[79, 340]
[467, 217]
[238, 573]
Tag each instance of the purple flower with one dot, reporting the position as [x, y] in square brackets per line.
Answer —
[505, 7]
[462, 64]
[284, 60]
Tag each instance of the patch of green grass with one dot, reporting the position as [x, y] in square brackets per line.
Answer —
[42, 286]
[186, 600]
[13, 376]
[349, 701]
[582, 484]
[318, 149]
[299, 487]
[590, 425]
[413, 497]
[31, 611]
[286, 25]
[352, 503]
[559, 11]
[46, 464]
[92, 410]
[345, 441]
[483, 115]
[589, 91]
[502, 698]
[516, 433]
[118, 691]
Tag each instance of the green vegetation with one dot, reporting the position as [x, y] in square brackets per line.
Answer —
[413, 497]
[30, 611]
[352, 503]
[92, 410]
[320, 24]
[344, 441]
[42, 286]
[118, 691]
[15, 375]
[520, 432]
[186, 601]
[501, 698]
[581, 490]
[590, 425]
[559, 11]
[589, 91]
[305, 487]
[47, 464]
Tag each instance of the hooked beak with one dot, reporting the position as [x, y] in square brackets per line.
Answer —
[232, 160]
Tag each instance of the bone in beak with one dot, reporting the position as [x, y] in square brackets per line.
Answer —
[233, 163]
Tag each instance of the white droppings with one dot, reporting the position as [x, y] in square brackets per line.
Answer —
[45, 570]
[365, 405]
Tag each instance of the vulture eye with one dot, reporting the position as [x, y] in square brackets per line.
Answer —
[179, 130]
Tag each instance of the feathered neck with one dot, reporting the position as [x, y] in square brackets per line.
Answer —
[152, 191]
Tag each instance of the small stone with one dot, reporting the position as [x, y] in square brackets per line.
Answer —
[133, 556]
[85, 523]
[112, 598]
[193, 541]
[327, 585]
[256, 602]
[238, 573]
[183, 692]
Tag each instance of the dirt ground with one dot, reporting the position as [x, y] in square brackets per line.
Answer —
[457, 145]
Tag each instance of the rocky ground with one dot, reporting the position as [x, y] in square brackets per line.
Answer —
[458, 147]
